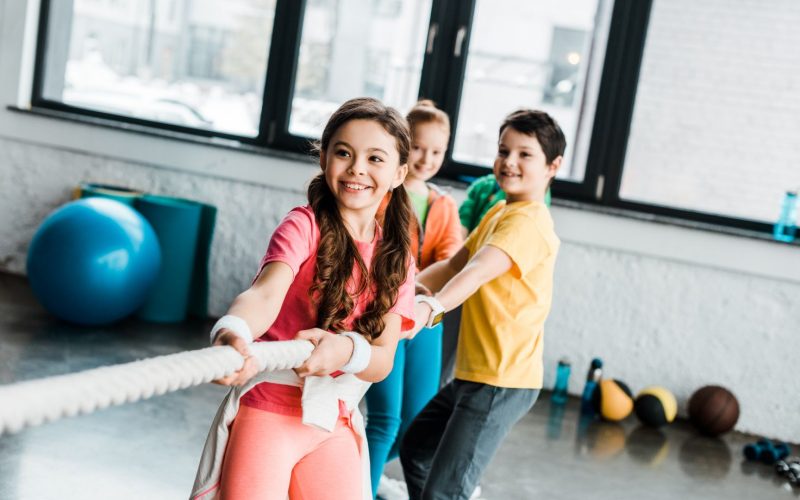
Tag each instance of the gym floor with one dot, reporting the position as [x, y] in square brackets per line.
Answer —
[150, 449]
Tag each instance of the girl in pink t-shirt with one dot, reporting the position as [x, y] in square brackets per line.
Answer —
[333, 276]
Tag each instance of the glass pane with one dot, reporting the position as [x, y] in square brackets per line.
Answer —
[715, 125]
[195, 63]
[354, 48]
[526, 53]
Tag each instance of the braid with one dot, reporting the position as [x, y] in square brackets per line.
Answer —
[390, 264]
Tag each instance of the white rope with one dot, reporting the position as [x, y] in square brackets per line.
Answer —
[34, 402]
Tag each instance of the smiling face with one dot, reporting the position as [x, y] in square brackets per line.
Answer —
[428, 146]
[361, 163]
[521, 168]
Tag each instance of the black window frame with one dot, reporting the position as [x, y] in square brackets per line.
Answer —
[441, 79]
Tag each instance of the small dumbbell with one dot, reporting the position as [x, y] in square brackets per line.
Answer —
[752, 451]
[771, 454]
[766, 451]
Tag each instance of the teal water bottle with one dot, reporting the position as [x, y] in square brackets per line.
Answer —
[559, 396]
[786, 226]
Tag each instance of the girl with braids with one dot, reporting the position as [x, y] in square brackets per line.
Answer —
[335, 276]
[435, 235]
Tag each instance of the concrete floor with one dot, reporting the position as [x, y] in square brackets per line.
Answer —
[150, 449]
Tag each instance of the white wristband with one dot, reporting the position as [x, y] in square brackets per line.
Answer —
[362, 352]
[437, 309]
[235, 324]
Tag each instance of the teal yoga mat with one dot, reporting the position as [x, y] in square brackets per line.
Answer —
[198, 293]
[177, 223]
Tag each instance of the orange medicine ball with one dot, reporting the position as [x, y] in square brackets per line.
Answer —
[613, 400]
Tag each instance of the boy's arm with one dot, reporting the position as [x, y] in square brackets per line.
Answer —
[435, 276]
[489, 263]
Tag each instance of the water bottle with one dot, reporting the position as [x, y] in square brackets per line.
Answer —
[786, 226]
[592, 379]
[559, 396]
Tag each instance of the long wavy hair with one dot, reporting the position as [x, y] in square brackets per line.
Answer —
[337, 253]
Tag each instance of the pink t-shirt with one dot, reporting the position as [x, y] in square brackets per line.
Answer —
[294, 243]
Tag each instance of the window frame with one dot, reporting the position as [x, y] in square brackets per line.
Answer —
[441, 79]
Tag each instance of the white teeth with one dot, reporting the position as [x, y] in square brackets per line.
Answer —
[357, 187]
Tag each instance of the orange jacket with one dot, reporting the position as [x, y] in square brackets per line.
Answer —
[441, 237]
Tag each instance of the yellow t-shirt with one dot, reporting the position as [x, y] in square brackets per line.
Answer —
[502, 324]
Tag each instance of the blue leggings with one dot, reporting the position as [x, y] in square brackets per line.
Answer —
[393, 403]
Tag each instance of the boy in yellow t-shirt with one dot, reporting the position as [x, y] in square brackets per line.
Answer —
[504, 277]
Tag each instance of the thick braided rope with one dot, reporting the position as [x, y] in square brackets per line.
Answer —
[34, 402]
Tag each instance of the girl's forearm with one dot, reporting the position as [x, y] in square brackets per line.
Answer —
[258, 311]
[382, 350]
[380, 364]
[260, 304]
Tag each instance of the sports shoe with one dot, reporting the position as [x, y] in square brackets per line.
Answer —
[392, 489]
[476, 495]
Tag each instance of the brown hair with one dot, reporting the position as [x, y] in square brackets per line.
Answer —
[425, 111]
[540, 125]
[337, 253]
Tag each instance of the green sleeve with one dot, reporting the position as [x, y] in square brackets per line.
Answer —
[473, 208]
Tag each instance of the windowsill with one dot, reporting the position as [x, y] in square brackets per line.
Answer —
[671, 221]
[217, 142]
[728, 249]
[161, 148]
[579, 223]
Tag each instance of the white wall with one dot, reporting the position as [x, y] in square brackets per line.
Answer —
[659, 303]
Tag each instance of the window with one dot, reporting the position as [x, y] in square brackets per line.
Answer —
[200, 67]
[525, 53]
[270, 73]
[355, 48]
[735, 111]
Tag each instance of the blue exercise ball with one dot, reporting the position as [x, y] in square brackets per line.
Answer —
[93, 261]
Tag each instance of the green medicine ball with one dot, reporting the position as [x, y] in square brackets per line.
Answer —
[655, 406]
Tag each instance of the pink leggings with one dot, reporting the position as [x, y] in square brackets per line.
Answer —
[270, 454]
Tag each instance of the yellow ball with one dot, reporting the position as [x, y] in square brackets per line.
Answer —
[613, 400]
[656, 406]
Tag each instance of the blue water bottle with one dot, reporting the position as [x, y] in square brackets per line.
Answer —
[559, 396]
[786, 226]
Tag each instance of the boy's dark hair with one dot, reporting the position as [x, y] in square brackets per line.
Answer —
[540, 125]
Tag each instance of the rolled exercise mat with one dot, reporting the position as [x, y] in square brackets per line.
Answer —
[198, 292]
[119, 193]
[176, 222]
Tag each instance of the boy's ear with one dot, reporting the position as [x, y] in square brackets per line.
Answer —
[400, 175]
[554, 165]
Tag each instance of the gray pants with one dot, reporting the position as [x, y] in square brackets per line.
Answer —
[451, 442]
[449, 345]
